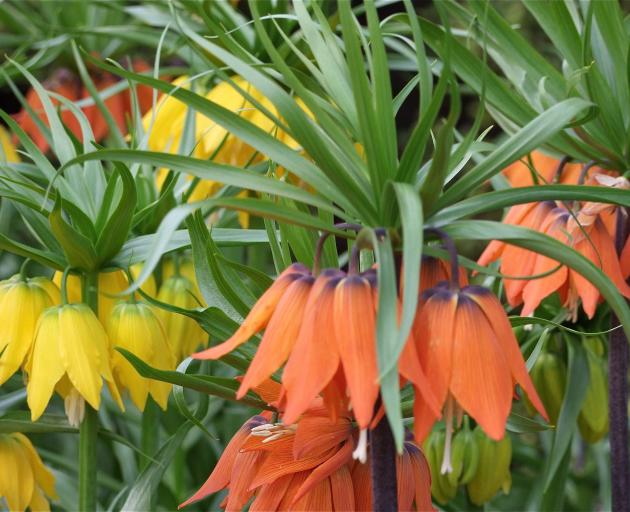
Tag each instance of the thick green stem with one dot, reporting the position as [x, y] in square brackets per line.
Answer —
[88, 431]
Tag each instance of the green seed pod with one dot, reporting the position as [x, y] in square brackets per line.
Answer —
[549, 375]
[441, 488]
[493, 470]
[593, 418]
[464, 458]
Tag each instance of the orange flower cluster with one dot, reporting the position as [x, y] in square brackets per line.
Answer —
[461, 353]
[68, 85]
[307, 466]
[588, 228]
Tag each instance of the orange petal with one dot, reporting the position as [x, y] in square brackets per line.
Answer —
[433, 332]
[315, 358]
[625, 260]
[480, 381]
[317, 435]
[498, 319]
[318, 499]
[342, 489]
[355, 329]
[280, 335]
[362, 486]
[422, 478]
[599, 248]
[410, 368]
[538, 289]
[220, 476]
[404, 481]
[243, 471]
[259, 316]
[324, 470]
[270, 495]
[296, 482]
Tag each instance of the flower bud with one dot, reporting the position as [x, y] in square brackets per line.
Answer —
[21, 303]
[493, 471]
[441, 488]
[550, 375]
[183, 333]
[464, 458]
[593, 418]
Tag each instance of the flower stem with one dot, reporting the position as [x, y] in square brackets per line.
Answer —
[149, 439]
[383, 468]
[88, 431]
[618, 392]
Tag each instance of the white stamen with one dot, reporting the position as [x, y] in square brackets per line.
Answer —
[360, 452]
[74, 404]
[272, 431]
[446, 459]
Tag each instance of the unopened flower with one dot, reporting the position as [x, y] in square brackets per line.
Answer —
[493, 472]
[184, 334]
[137, 328]
[21, 302]
[24, 480]
[71, 351]
[471, 358]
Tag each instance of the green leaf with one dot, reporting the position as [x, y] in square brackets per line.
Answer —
[78, 250]
[217, 386]
[491, 201]
[146, 485]
[576, 388]
[116, 229]
[523, 425]
[528, 138]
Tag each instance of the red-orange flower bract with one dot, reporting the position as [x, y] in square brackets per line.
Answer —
[307, 466]
[471, 358]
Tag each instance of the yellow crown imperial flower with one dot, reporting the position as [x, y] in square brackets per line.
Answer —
[183, 332]
[24, 480]
[71, 353]
[110, 286]
[21, 302]
[136, 328]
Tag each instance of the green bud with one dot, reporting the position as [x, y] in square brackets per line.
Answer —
[464, 458]
[493, 470]
[441, 489]
[549, 375]
[593, 418]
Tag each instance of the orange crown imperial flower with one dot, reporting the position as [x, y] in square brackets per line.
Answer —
[585, 231]
[307, 466]
[471, 358]
[324, 329]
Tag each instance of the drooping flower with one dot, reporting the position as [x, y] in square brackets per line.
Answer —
[7, 150]
[184, 334]
[471, 358]
[71, 353]
[585, 231]
[136, 327]
[324, 329]
[435, 270]
[184, 267]
[21, 302]
[24, 480]
[307, 466]
[110, 286]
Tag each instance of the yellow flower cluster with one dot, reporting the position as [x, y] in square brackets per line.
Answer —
[68, 349]
[165, 126]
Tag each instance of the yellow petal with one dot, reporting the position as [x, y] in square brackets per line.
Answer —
[43, 476]
[45, 367]
[7, 150]
[16, 477]
[81, 348]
